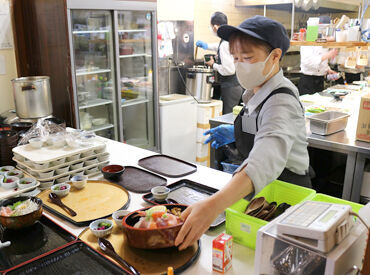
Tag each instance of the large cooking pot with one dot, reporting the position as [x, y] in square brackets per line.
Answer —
[32, 96]
[199, 80]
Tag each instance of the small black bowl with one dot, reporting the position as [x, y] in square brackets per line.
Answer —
[113, 171]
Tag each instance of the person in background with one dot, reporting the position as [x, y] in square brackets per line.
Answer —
[230, 90]
[314, 66]
[269, 131]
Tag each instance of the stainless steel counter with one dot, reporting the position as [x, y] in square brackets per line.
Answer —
[343, 142]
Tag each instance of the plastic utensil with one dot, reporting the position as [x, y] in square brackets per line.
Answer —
[108, 249]
[56, 200]
[220, 135]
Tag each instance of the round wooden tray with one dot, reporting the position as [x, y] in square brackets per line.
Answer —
[146, 261]
[98, 199]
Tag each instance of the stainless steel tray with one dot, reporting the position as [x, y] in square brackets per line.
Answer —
[327, 123]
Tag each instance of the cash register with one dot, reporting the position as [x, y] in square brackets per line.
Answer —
[312, 238]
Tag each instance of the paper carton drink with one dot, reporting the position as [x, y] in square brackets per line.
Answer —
[222, 253]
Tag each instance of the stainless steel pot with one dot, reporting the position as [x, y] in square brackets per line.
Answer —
[199, 80]
[32, 96]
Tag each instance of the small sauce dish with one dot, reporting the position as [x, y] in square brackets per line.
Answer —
[9, 182]
[14, 173]
[160, 193]
[26, 182]
[79, 181]
[61, 189]
[101, 228]
[118, 217]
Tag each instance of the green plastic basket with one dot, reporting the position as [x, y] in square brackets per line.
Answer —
[244, 228]
[325, 198]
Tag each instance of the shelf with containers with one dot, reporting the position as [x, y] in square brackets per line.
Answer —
[135, 77]
[93, 62]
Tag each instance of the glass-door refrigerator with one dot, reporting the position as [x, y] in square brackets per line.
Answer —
[135, 70]
[94, 72]
[114, 69]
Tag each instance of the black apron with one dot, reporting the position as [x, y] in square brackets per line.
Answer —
[244, 141]
[230, 90]
[310, 84]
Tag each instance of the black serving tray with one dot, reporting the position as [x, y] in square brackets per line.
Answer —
[76, 258]
[187, 192]
[167, 166]
[30, 242]
[138, 180]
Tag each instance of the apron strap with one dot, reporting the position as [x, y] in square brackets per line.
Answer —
[282, 90]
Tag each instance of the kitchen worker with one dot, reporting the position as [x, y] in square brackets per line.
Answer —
[269, 131]
[314, 65]
[230, 90]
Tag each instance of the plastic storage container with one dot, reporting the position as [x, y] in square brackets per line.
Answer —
[327, 123]
[325, 198]
[229, 167]
[244, 228]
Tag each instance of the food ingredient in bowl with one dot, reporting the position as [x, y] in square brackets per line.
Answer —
[25, 182]
[19, 208]
[157, 217]
[63, 187]
[103, 226]
[6, 169]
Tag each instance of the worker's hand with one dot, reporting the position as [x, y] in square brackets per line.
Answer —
[220, 135]
[198, 217]
[202, 44]
[210, 62]
[331, 71]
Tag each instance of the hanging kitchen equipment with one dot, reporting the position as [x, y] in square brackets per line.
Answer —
[199, 80]
[32, 96]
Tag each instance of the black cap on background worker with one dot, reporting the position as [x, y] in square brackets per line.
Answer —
[229, 89]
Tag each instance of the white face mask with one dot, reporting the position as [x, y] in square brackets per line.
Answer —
[250, 75]
[212, 31]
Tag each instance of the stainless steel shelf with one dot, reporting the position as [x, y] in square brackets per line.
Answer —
[133, 30]
[92, 31]
[131, 102]
[95, 103]
[93, 72]
[100, 128]
[135, 55]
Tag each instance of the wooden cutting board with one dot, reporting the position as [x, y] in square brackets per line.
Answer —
[98, 199]
[144, 260]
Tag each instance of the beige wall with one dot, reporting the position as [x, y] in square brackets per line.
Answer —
[175, 10]
[6, 97]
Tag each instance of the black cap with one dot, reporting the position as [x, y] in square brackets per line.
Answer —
[262, 28]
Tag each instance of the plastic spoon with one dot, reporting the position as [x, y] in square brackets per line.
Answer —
[108, 249]
[56, 200]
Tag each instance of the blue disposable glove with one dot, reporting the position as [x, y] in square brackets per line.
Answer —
[220, 135]
[202, 44]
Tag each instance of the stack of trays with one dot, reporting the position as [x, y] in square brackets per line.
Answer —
[50, 165]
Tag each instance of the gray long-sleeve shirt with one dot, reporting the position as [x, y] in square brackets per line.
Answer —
[281, 138]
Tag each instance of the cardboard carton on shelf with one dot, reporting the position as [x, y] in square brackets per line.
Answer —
[363, 124]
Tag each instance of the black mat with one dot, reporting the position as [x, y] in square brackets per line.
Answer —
[77, 258]
[138, 180]
[31, 242]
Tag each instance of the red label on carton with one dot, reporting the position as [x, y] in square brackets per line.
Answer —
[222, 253]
